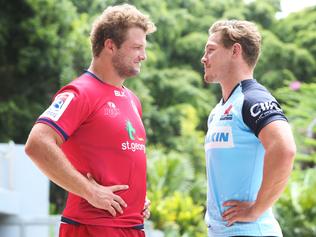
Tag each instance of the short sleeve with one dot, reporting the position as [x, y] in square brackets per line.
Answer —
[67, 112]
[260, 109]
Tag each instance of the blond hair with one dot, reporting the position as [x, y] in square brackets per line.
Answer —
[114, 23]
[243, 32]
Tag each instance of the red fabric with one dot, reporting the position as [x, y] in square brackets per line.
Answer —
[106, 138]
[67, 230]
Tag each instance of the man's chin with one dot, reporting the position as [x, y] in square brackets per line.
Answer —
[207, 80]
[210, 80]
[133, 73]
[136, 71]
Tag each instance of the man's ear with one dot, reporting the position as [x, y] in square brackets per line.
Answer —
[109, 46]
[237, 50]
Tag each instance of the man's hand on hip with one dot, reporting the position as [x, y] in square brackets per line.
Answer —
[239, 212]
[103, 197]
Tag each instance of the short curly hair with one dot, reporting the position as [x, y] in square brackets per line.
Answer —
[243, 32]
[114, 23]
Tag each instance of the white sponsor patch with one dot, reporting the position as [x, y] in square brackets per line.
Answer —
[219, 137]
[57, 108]
[259, 108]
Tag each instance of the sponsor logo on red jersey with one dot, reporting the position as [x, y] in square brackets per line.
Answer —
[133, 145]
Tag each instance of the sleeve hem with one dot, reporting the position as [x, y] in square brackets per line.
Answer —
[53, 125]
[265, 123]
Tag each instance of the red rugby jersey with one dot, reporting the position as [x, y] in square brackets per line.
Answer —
[104, 135]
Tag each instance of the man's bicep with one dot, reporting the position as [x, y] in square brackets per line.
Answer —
[45, 133]
[276, 132]
[260, 109]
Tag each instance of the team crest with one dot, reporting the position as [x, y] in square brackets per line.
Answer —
[111, 110]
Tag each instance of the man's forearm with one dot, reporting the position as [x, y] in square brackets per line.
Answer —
[278, 164]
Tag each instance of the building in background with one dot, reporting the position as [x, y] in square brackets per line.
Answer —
[24, 196]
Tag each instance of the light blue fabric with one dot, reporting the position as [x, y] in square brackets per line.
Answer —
[234, 161]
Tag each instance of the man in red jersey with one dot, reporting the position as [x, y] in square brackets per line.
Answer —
[91, 140]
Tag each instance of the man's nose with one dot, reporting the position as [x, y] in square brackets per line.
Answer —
[143, 56]
[203, 59]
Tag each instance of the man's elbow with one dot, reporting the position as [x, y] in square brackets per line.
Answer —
[289, 153]
[292, 151]
[28, 148]
[31, 146]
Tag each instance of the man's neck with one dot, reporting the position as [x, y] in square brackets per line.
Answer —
[229, 84]
[106, 73]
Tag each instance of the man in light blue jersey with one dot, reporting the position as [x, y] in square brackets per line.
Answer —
[249, 145]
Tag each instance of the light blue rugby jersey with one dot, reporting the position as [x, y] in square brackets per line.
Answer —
[234, 157]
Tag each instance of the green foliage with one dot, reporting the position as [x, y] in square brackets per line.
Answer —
[262, 12]
[177, 215]
[297, 207]
[300, 28]
[167, 93]
[292, 61]
[301, 111]
[175, 212]
[15, 117]
[274, 79]
[166, 172]
[289, 28]
[190, 49]
[91, 7]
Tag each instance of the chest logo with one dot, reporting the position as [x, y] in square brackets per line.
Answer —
[111, 110]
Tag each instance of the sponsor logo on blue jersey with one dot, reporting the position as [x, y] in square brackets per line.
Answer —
[262, 107]
[219, 137]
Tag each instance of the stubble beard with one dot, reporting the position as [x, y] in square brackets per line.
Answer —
[122, 69]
